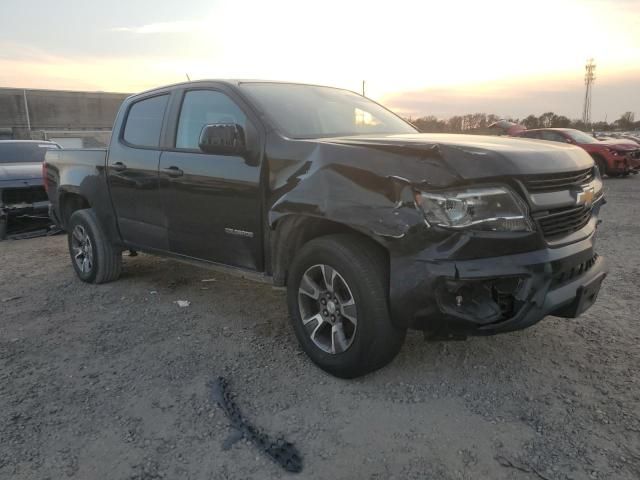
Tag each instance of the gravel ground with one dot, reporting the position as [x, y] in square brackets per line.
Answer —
[109, 381]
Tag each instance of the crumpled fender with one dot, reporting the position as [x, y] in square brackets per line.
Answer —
[368, 189]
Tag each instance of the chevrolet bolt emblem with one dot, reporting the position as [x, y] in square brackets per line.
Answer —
[585, 197]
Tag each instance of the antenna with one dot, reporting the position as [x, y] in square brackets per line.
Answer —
[363, 82]
[188, 76]
[589, 77]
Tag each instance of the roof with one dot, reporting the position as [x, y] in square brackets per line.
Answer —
[233, 82]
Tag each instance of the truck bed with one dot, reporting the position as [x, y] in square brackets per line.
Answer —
[89, 157]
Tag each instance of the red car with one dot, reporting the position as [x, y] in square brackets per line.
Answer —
[614, 157]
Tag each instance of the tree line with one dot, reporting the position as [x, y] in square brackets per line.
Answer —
[481, 122]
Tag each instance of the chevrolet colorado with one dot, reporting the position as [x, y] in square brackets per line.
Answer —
[372, 227]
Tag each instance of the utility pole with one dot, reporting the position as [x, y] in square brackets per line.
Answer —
[26, 111]
[589, 77]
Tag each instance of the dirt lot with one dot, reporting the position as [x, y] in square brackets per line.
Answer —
[110, 381]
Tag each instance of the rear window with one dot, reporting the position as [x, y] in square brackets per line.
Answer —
[144, 122]
[15, 152]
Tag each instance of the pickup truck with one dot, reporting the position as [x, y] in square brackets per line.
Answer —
[22, 195]
[372, 227]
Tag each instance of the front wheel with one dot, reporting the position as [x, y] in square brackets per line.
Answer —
[93, 257]
[337, 297]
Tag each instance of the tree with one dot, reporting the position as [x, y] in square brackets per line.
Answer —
[626, 121]
[578, 124]
[430, 124]
[561, 121]
[531, 122]
[546, 119]
[455, 123]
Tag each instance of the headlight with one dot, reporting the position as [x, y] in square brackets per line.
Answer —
[613, 152]
[488, 209]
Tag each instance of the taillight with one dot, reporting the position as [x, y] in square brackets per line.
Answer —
[44, 177]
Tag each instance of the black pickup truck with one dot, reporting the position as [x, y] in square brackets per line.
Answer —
[372, 227]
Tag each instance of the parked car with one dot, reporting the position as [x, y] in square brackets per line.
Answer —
[21, 188]
[372, 227]
[613, 157]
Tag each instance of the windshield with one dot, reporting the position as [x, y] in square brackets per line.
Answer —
[307, 111]
[581, 137]
[18, 152]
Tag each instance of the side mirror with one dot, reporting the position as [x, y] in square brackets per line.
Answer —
[223, 139]
[568, 140]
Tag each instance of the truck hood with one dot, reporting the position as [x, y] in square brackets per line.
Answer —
[11, 172]
[476, 156]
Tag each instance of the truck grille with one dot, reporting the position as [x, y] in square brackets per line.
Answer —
[29, 195]
[558, 181]
[563, 221]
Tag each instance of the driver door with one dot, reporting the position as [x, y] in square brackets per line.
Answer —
[211, 202]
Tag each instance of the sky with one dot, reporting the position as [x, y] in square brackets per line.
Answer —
[418, 57]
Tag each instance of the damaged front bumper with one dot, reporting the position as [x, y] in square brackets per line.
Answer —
[21, 204]
[498, 294]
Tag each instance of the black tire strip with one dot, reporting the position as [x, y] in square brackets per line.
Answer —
[279, 450]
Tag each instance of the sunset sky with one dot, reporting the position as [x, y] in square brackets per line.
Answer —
[418, 57]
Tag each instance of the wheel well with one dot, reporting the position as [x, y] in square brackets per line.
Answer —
[69, 203]
[600, 160]
[293, 232]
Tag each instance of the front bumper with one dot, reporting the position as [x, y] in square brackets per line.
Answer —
[498, 294]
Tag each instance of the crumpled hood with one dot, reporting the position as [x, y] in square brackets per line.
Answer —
[10, 172]
[476, 156]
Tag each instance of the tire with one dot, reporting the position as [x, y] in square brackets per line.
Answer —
[93, 257]
[364, 346]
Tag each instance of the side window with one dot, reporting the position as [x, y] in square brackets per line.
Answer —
[204, 107]
[531, 134]
[552, 136]
[144, 122]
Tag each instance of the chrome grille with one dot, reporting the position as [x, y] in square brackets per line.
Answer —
[558, 181]
[563, 221]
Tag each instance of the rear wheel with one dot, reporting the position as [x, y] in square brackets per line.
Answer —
[337, 296]
[93, 257]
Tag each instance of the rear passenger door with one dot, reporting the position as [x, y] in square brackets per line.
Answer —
[212, 202]
[132, 173]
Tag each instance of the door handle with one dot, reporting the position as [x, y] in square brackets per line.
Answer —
[173, 171]
[118, 166]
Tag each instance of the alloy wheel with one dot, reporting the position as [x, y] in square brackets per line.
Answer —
[82, 249]
[327, 309]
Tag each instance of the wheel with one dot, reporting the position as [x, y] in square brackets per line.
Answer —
[337, 295]
[94, 259]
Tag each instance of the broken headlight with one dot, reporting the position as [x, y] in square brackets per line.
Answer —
[488, 209]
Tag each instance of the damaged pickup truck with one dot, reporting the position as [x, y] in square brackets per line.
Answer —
[372, 227]
[22, 195]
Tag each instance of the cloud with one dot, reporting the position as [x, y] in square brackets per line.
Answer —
[180, 26]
